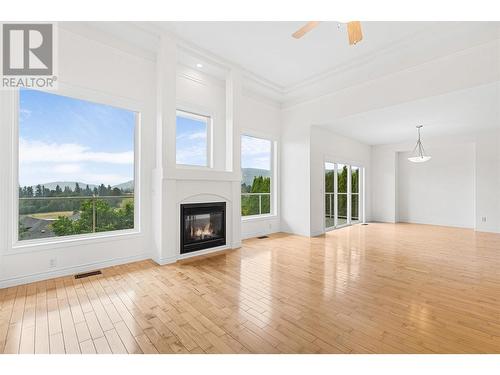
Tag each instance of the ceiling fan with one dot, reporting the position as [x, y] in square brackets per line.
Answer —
[353, 31]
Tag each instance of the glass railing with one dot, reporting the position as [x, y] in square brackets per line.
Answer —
[329, 210]
[45, 217]
[255, 204]
[341, 202]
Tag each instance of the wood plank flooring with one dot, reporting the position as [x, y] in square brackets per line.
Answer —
[381, 288]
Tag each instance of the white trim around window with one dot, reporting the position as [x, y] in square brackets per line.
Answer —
[79, 93]
[189, 111]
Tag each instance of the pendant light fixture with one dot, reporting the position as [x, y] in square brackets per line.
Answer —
[418, 154]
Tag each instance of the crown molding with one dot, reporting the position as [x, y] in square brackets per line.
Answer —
[328, 82]
[349, 75]
[489, 45]
[89, 30]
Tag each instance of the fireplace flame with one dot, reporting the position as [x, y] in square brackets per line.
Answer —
[206, 231]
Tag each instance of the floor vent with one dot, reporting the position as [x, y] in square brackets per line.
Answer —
[87, 274]
[364, 224]
[262, 237]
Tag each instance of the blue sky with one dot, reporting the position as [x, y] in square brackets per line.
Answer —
[255, 153]
[66, 139]
[191, 145]
[191, 141]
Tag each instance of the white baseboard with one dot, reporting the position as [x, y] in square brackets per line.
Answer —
[66, 271]
[486, 230]
[164, 261]
[317, 233]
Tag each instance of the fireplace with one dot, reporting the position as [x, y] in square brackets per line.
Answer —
[203, 225]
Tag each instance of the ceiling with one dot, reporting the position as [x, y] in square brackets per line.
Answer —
[267, 49]
[458, 112]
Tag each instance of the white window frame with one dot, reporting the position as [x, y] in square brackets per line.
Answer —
[196, 115]
[97, 97]
[360, 178]
[274, 176]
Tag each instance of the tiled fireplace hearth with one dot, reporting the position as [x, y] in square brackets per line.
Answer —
[203, 226]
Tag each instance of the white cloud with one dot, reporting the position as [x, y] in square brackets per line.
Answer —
[255, 153]
[39, 151]
[199, 135]
[24, 114]
[192, 136]
[46, 174]
[96, 178]
[67, 168]
[191, 155]
[255, 146]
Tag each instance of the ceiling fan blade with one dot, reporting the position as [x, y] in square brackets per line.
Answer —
[305, 29]
[354, 32]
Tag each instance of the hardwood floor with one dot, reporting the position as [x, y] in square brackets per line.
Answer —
[381, 288]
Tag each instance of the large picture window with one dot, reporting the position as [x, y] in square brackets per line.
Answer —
[256, 171]
[76, 166]
[192, 139]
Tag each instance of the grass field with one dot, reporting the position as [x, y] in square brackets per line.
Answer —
[51, 215]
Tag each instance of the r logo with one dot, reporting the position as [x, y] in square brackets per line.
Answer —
[27, 49]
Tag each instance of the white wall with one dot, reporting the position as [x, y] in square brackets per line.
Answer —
[384, 184]
[477, 151]
[328, 146]
[295, 173]
[487, 181]
[440, 191]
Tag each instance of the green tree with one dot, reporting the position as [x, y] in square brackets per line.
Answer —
[116, 192]
[88, 192]
[63, 226]
[38, 191]
[250, 203]
[22, 231]
[107, 218]
[329, 175]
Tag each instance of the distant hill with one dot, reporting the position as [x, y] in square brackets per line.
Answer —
[248, 174]
[126, 186]
[63, 184]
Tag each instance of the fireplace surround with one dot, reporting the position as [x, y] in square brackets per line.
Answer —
[203, 226]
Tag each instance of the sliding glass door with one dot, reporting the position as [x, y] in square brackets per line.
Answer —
[342, 195]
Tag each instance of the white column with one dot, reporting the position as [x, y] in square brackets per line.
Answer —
[234, 98]
[165, 219]
[8, 187]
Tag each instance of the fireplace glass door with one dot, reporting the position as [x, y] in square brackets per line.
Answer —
[203, 226]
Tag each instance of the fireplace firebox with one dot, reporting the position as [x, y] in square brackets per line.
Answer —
[203, 225]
